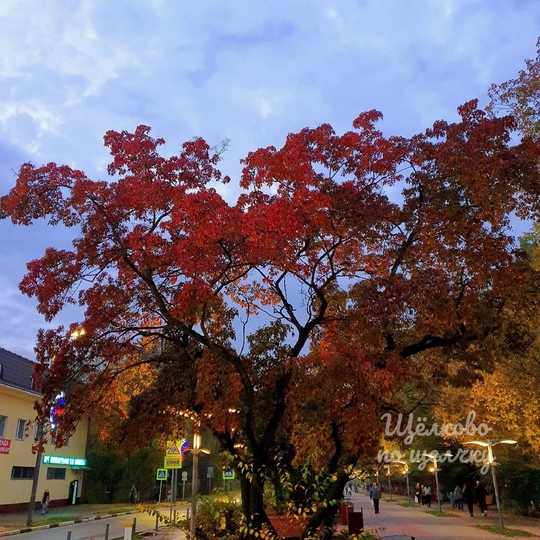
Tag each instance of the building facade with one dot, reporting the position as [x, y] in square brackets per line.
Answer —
[60, 469]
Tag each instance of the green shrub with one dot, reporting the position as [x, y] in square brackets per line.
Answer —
[217, 518]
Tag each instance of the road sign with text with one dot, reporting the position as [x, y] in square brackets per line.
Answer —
[172, 462]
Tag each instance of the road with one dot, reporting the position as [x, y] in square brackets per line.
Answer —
[396, 521]
[92, 530]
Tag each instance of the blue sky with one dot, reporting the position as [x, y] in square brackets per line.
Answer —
[246, 71]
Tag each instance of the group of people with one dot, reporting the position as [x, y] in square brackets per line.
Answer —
[350, 488]
[422, 495]
[468, 495]
[459, 496]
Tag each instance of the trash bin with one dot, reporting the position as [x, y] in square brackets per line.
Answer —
[356, 522]
[345, 509]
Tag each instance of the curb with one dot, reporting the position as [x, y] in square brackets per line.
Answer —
[64, 523]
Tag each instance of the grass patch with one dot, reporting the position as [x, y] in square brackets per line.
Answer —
[39, 520]
[506, 532]
[114, 508]
[441, 513]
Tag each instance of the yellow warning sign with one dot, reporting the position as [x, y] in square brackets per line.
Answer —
[172, 463]
[173, 448]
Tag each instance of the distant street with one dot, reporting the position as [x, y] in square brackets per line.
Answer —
[416, 522]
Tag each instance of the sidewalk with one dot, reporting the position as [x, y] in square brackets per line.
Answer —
[400, 521]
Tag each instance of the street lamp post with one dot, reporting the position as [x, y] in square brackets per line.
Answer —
[387, 467]
[35, 477]
[491, 460]
[406, 472]
[195, 450]
[433, 456]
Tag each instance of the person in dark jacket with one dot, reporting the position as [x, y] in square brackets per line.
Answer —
[375, 496]
[468, 497]
[481, 494]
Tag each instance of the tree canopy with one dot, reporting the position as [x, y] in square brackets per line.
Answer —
[285, 321]
[520, 97]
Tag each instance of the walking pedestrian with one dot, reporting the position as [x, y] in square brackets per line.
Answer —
[375, 496]
[427, 496]
[481, 494]
[468, 497]
[458, 498]
[45, 500]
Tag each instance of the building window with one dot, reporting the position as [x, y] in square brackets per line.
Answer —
[51, 440]
[22, 473]
[3, 421]
[56, 474]
[19, 433]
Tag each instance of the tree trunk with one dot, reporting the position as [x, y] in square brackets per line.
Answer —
[253, 503]
[326, 516]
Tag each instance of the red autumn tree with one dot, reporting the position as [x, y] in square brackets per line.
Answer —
[282, 322]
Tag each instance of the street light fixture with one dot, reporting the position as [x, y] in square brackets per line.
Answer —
[434, 456]
[387, 467]
[491, 460]
[406, 472]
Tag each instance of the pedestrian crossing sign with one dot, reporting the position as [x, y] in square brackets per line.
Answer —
[161, 474]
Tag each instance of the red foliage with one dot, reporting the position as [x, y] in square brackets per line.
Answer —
[345, 255]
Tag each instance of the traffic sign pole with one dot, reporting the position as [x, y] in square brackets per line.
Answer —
[184, 478]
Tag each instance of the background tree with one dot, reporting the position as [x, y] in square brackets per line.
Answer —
[530, 243]
[345, 257]
[520, 97]
[502, 388]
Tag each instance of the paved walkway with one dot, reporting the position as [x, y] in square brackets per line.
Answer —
[396, 521]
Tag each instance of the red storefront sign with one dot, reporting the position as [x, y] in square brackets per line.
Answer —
[4, 446]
